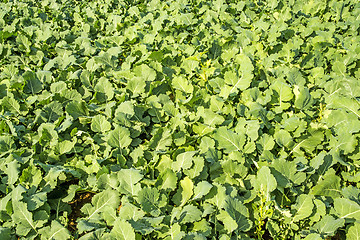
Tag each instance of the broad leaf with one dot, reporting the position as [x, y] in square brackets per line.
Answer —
[353, 233]
[329, 186]
[100, 124]
[346, 208]
[201, 189]
[129, 179]
[148, 198]
[122, 230]
[119, 137]
[99, 203]
[304, 207]
[56, 231]
[23, 219]
[183, 161]
[228, 140]
[235, 216]
[265, 182]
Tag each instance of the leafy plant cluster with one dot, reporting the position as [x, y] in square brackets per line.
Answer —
[184, 119]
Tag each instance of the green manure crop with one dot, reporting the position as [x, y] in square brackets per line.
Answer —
[186, 119]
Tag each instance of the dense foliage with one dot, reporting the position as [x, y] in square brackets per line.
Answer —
[184, 119]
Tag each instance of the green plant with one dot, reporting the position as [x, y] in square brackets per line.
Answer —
[181, 119]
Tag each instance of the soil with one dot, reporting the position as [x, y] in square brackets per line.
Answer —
[81, 198]
[336, 237]
[267, 235]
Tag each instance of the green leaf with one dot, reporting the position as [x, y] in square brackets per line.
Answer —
[189, 64]
[57, 87]
[161, 140]
[329, 186]
[105, 59]
[203, 227]
[56, 231]
[65, 146]
[104, 90]
[100, 124]
[348, 104]
[308, 143]
[185, 192]
[77, 109]
[23, 42]
[182, 84]
[284, 93]
[48, 134]
[328, 225]
[217, 195]
[189, 214]
[11, 105]
[147, 225]
[136, 85]
[243, 82]
[12, 171]
[339, 68]
[317, 161]
[126, 107]
[167, 180]
[22, 218]
[122, 230]
[44, 76]
[303, 99]
[5, 233]
[187, 187]
[346, 208]
[119, 137]
[33, 85]
[228, 140]
[145, 72]
[183, 161]
[351, 192]
[265, 182]
[148, 199]
[283, 138]
[175, 232]
[235, 216]
[6, 143]
[130, 212]
[97, 234]
[201, 189]
[304, 207]
[53, 111]
[346, 142]
[206, 144]
[129, 179]
[99, 203]
[286, 173]
[353, 233]
[313, 236]
[295, 77]
[36, 200]
[210, 118]
[196, 169]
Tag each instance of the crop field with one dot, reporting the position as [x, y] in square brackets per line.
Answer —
[180, 119]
